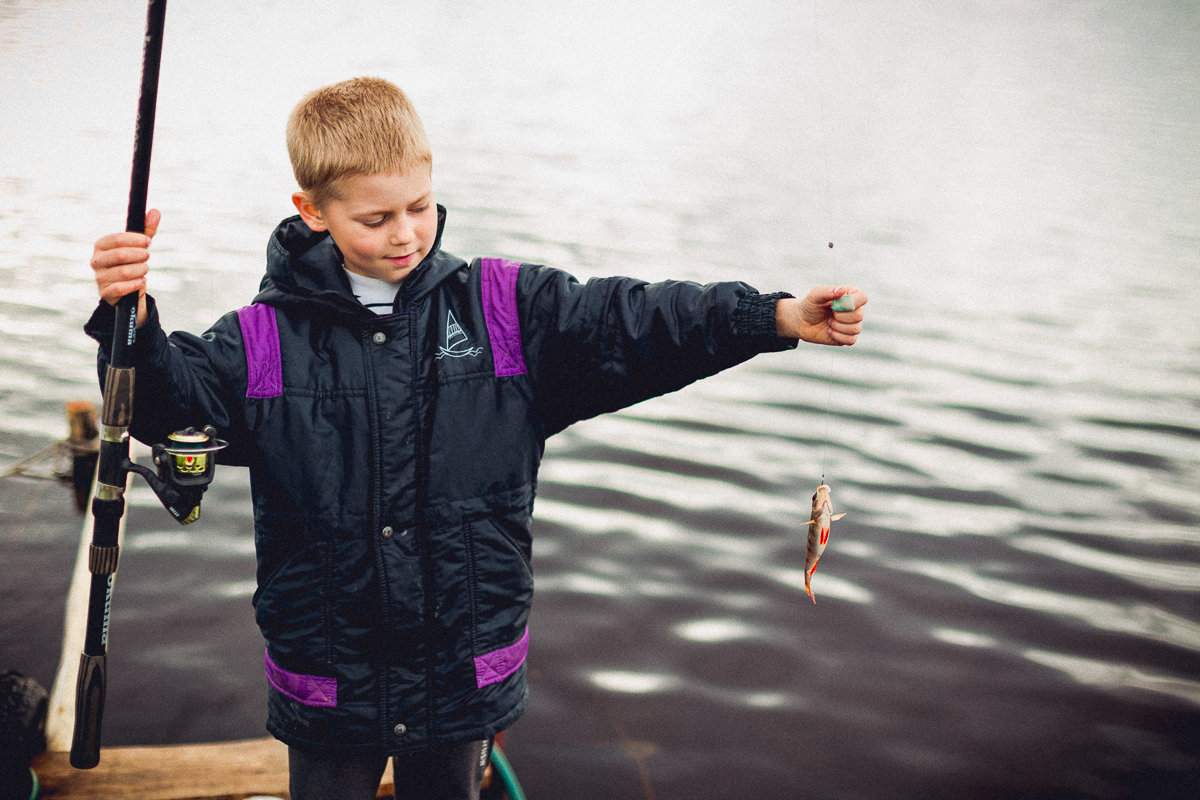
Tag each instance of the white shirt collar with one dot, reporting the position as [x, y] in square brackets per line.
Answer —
[373, 293]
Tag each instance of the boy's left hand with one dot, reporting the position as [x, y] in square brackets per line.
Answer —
[813, 320]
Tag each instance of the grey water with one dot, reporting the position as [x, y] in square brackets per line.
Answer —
[1011, 607]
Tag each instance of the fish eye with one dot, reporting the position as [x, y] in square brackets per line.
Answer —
[814, 495]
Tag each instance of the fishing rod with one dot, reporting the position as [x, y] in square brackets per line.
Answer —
[185, 464]
[108, 505]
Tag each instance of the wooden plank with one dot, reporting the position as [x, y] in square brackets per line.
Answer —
[215, 771]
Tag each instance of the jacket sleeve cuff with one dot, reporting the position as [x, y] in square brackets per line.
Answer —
[104, 319]
[755, 317]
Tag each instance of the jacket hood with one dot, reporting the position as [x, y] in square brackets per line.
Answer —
[305, 266]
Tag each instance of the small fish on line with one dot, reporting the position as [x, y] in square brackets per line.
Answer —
[818, 533]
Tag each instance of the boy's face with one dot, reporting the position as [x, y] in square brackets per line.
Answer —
[384, 224]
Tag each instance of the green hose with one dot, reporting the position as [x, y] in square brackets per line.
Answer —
[507, 776]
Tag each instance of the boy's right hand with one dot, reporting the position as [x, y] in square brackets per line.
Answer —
[119, 262]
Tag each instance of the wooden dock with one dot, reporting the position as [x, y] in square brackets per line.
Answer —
[216, 771]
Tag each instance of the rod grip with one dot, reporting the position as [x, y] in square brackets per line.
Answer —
[89, 710]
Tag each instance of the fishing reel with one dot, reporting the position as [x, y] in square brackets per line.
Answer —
[186, 464]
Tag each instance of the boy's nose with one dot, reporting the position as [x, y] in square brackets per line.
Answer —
[401, 233]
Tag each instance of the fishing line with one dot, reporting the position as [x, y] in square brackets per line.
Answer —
[822, 516]
[818, 59]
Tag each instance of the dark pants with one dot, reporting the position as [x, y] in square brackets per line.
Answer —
[453, 772]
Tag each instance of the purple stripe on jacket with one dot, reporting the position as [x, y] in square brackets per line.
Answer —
[497, 665]
[311, 690]
[264, 363]
[499, 282]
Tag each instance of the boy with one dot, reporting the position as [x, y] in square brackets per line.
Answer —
[392, 402]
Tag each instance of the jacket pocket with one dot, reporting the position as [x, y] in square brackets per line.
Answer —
[500, 588]
[292, 602]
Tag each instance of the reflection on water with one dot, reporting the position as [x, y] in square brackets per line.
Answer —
[1009, 607]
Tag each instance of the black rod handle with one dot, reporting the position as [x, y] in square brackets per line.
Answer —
[89, 706]
[91, 684]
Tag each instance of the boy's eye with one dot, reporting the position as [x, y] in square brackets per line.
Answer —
[374, 223]
[420, 209]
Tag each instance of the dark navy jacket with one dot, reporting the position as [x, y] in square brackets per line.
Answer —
[393, 463]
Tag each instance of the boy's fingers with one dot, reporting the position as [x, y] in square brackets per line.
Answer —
[118, 240]
[116, 282]
[126, 272]
[844, 334]
[848, 323]
[860, 297]
[153, 217]
[117, 256]
[824, 295]
[113, 292]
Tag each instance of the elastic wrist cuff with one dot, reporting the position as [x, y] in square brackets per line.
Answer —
[755, 314]
[104, 320]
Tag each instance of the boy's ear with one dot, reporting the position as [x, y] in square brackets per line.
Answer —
[309, 213]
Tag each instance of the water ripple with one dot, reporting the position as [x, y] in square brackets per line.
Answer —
[1110, 675]
[1141, 620]
[1183, 431]
[982, 498]
[718, 630]
[1171, 575]
[628, 682]
[976, 449]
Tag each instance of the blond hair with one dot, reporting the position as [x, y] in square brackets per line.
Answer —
[362, 126]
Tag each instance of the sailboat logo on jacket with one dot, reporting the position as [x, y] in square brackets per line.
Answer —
[457, 345]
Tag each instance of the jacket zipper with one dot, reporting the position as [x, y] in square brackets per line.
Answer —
[373, 520]
[420, 524]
